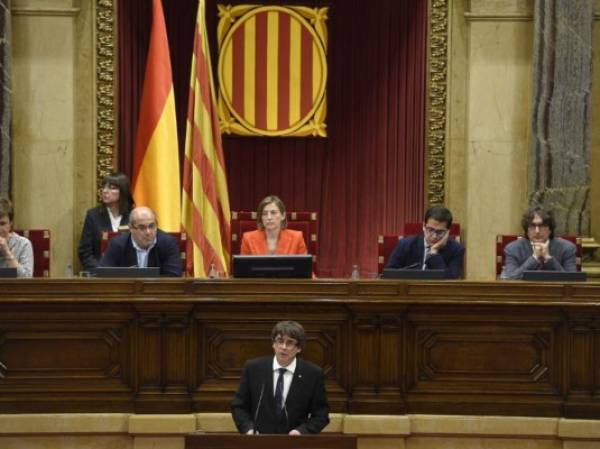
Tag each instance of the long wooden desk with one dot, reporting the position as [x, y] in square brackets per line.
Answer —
[387, 347]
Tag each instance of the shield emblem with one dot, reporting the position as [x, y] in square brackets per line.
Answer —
[272, 70]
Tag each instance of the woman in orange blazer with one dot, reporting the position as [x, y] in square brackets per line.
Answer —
[272, 237]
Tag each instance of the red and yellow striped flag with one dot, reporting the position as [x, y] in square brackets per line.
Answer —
[156, 158]
[205, 200]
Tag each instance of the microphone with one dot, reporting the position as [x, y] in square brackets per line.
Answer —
[262, 390]
[416, 264]
[287, 419]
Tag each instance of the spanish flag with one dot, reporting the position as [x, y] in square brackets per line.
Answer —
[156, 158]
[205, 201]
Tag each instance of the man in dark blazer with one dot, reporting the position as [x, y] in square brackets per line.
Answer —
[281, 394]
[144, 246]
[432, 250]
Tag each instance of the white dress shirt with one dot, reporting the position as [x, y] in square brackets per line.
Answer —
[142, 254]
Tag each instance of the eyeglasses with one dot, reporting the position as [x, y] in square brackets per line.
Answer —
[534, 226]
[286, 343]
[144, 228]
[436, 232]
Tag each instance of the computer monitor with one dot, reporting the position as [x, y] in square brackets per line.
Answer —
[555, 276]
[402, 273]
[289, 266]
[8, 272]
[127, 272]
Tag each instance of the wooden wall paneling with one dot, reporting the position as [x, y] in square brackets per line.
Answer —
[58, 356]
[378, 365]
[162, 349]
[583, 352]
[481, 354]
[174, 346]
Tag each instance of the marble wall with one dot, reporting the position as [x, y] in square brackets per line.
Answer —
[123, 431]
[53, 146]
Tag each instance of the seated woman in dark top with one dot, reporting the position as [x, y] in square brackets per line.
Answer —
[109, 215]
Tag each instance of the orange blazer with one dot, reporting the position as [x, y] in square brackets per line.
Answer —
[290, 242]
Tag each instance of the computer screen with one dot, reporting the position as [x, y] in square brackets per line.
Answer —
[555, 276]
[402, 273]
[289, 266]
[8, 272]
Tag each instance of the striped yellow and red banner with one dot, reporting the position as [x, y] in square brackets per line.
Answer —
[273, 71]
[156, 158]
[205, 200]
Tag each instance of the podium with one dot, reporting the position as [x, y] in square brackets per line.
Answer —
[269, 441]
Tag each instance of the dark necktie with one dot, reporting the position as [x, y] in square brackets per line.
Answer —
[279, 402]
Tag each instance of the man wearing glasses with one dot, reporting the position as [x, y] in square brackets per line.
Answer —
[432, 250]
[144, 246]
[281, 394]
[539, 249]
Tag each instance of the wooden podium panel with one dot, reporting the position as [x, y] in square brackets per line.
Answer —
[236, 441]
[386, 347]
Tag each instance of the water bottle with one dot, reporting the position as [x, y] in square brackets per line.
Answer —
[355, 273]
[213, 273]
[69, 271]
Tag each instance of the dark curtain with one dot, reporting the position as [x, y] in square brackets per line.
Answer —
[367, 177]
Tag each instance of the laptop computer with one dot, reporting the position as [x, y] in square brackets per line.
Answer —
[555, 276]
[127, 272]
[8, 272]
[403, 273]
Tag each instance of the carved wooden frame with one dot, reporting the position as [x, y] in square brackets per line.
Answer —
[437, 57]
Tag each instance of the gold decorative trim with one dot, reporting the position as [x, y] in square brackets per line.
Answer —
[474, 17]
[45, 12]
[105, 87]
[436, 102]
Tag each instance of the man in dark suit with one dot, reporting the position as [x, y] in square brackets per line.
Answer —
[281, 394]
[144, 246]
[432, 250]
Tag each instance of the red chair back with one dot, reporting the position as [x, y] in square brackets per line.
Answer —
[181, 238]
[40, 241]
[306, 222]
[505, 239]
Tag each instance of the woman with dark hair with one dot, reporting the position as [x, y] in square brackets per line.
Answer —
[109, 215]
[15, 251]
[272, 237]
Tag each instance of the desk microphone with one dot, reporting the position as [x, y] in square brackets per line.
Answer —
[262, 390]
[416, 264]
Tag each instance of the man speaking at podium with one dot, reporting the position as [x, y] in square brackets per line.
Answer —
[281, 394]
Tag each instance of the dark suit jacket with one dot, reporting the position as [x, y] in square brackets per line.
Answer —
[409, 251]
[518, 258]
[165, 254]
[96, 221]
[306, 402]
